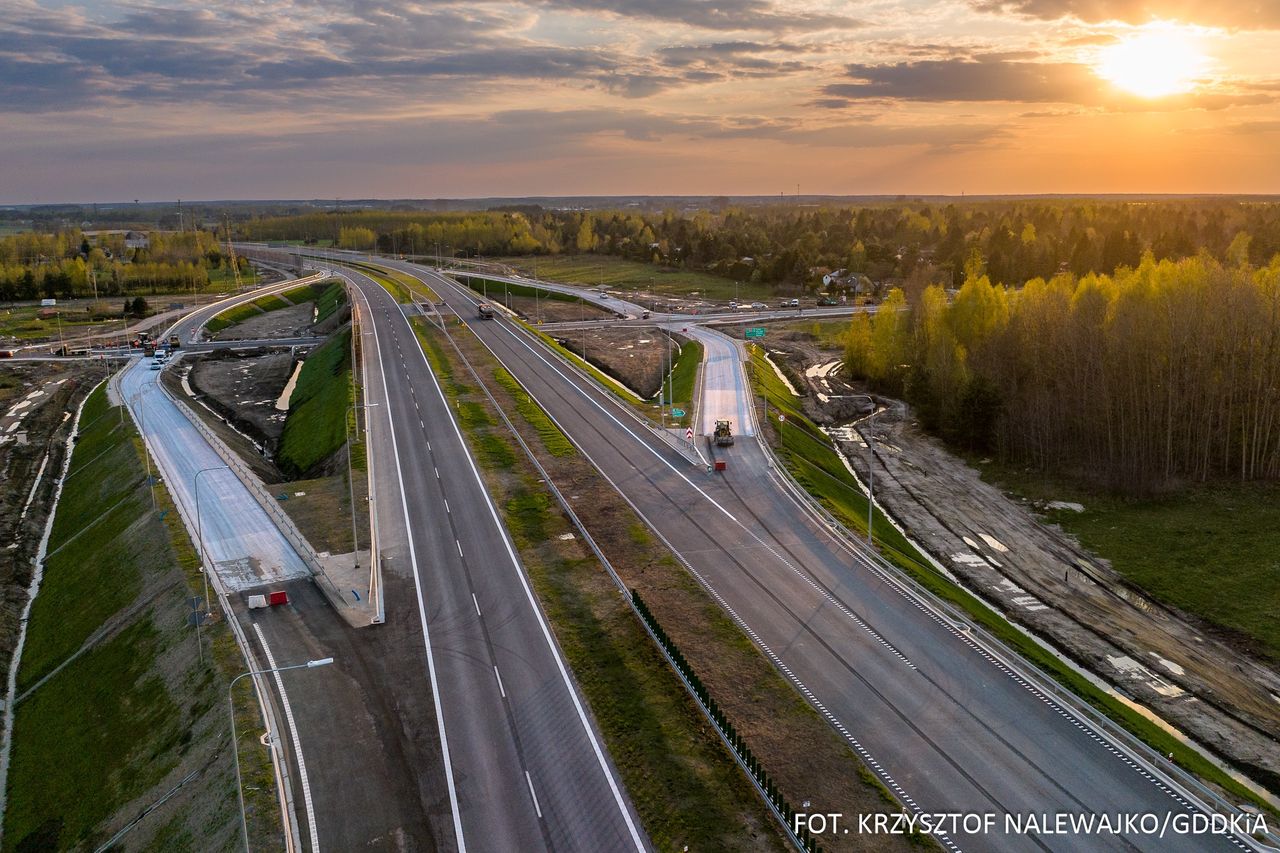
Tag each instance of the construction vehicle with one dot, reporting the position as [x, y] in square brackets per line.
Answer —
[486, 311]
[723, 435]
[175, 342]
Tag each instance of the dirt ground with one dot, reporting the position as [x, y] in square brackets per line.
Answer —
[33, 401]
[635, 355]
[1043, 579]
[245, 387]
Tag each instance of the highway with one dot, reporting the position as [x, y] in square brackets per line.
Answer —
[945, 723]
[524, 765]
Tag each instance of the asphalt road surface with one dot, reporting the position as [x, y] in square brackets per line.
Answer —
[525, 767]
[947, 726]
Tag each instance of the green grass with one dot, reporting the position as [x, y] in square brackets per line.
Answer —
[93, 738]
[684, 376]
[812, 460]
[271, 303]
[553, 439]
[315, 427]
[402, 286]
[480, 285]
[621, 274]
[231, 316]
[106, 728]
[330, 300]
[1210, 550]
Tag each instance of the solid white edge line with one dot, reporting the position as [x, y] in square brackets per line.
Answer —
[422, 608]
[537, 611]
[537, 808]
[501, 689]
[297, 742]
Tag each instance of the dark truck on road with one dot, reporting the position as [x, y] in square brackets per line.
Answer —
[486, 311]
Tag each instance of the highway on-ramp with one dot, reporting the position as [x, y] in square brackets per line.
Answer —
[949, 724]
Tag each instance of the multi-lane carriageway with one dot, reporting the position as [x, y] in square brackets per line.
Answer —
[947, 723]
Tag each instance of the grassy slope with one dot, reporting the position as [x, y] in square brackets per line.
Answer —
[316, 424]
[109, 726]
[813, 462]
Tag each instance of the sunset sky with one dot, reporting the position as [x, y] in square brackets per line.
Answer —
[332, 98]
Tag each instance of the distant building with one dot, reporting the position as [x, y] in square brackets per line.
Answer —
[844, 280]
[136, 240]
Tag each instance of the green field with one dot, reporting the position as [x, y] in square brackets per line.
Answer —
[1210, 550]
[316, 425]
[621, 274]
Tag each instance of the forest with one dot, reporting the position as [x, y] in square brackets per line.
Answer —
[1162, 373]
[67, 264]
[793, 245]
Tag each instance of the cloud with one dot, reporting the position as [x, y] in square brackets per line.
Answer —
[1242, 14]
[728, 15]
[999, 78]
[986, 78]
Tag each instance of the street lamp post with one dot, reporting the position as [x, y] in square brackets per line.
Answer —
[142, 425]
[235, 747]
[204, 554]
[871, 475]
[351, 480]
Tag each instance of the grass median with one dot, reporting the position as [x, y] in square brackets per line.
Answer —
[682, 780]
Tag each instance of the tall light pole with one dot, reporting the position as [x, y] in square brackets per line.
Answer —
[142, 427]
[204, 554]
[235, 747]
[351, 480]
[871, 459]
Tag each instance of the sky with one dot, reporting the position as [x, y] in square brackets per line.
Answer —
[262, 99]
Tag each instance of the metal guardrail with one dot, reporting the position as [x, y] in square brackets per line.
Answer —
[266, 500]
[963, 626]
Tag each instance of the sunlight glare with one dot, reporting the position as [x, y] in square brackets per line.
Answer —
[1154, 62]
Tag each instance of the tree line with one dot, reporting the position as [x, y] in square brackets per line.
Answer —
[1163, 372]
[793, 245]
[68, 264]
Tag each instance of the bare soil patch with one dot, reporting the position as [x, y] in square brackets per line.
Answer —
[549, 310]
[291, 322]
[634, 355]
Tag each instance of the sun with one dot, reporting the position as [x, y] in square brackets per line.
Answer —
[1156, 61]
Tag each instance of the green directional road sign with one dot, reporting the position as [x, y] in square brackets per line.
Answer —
[755, 332]
[677, 413]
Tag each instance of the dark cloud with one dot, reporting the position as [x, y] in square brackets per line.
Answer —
[728, 15]
[993, 77]
[1244, 14]
[987, 78]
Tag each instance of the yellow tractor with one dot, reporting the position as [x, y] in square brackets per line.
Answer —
[724, 436]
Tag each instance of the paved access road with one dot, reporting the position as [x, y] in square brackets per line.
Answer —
[722, 382]
[524, 766]
[946, 725]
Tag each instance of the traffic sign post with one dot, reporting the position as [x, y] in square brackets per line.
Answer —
[677, 413]
[754, 332]
[688, 435]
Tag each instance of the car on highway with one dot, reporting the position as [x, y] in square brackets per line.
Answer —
[155, 365]
[791, 303]
[758, 305]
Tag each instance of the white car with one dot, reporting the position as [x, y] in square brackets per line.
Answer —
[758, 305]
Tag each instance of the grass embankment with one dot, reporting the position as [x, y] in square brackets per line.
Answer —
[328, 297]
[622, 274]
[480, 285]
[682, 780]
[814, 462]
[683, 378]
[1210, 550]
[316, 426]
[115, 706]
